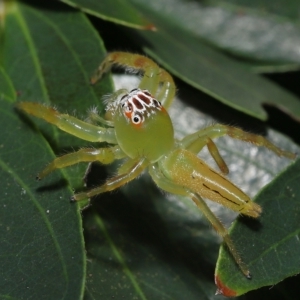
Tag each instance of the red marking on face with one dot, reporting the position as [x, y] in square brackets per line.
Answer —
[138, 126]
[129, 110]
[163, 110]
[128, 114]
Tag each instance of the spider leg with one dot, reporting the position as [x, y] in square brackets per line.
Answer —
[222, 231]
[69, 124]
[199, 139]
[93, 116]
[198, 144]
[154, 77]
[113, 183]
[169, 186]
[103, 155]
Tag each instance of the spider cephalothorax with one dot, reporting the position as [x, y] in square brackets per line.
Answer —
[136, 106]
[138, 127]
[138, 121]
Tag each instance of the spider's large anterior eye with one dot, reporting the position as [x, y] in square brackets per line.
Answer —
[136, 119]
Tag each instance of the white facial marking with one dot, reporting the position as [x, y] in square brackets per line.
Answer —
[137, 105]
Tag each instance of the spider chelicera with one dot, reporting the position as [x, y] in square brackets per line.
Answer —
[138, 129]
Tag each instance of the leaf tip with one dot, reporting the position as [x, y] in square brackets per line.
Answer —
[223, 289]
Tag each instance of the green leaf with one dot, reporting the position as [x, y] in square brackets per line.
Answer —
[150, 245]
[39, 257]
[146, 247]
[212, 72]
[140, 243]
[47, 55]
[284, 8]
[269, 244]
[6, 88]
[246, 28]
[267, 67]
[205, 68]
[202, 66]
[118, 11]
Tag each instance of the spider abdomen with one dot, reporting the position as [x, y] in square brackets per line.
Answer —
[186, 169]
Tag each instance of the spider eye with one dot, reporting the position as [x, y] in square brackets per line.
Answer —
[128, 107]
[136, 119]
[156, 103]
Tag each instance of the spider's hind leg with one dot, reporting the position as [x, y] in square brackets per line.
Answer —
[169, 186]
[197, 145]
[196, 141]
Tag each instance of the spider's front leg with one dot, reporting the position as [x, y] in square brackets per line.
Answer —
[93, 116]
[78, 128]
[130, 170]
[156, 80]
[69, 124]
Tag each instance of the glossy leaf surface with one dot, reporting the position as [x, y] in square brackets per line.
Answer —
[180, 51]
[270, 244]
[178, 48]
[140, 243]
[251, 29]
[120, 12]
[42, 248]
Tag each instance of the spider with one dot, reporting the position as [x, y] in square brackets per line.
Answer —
[138, 129]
